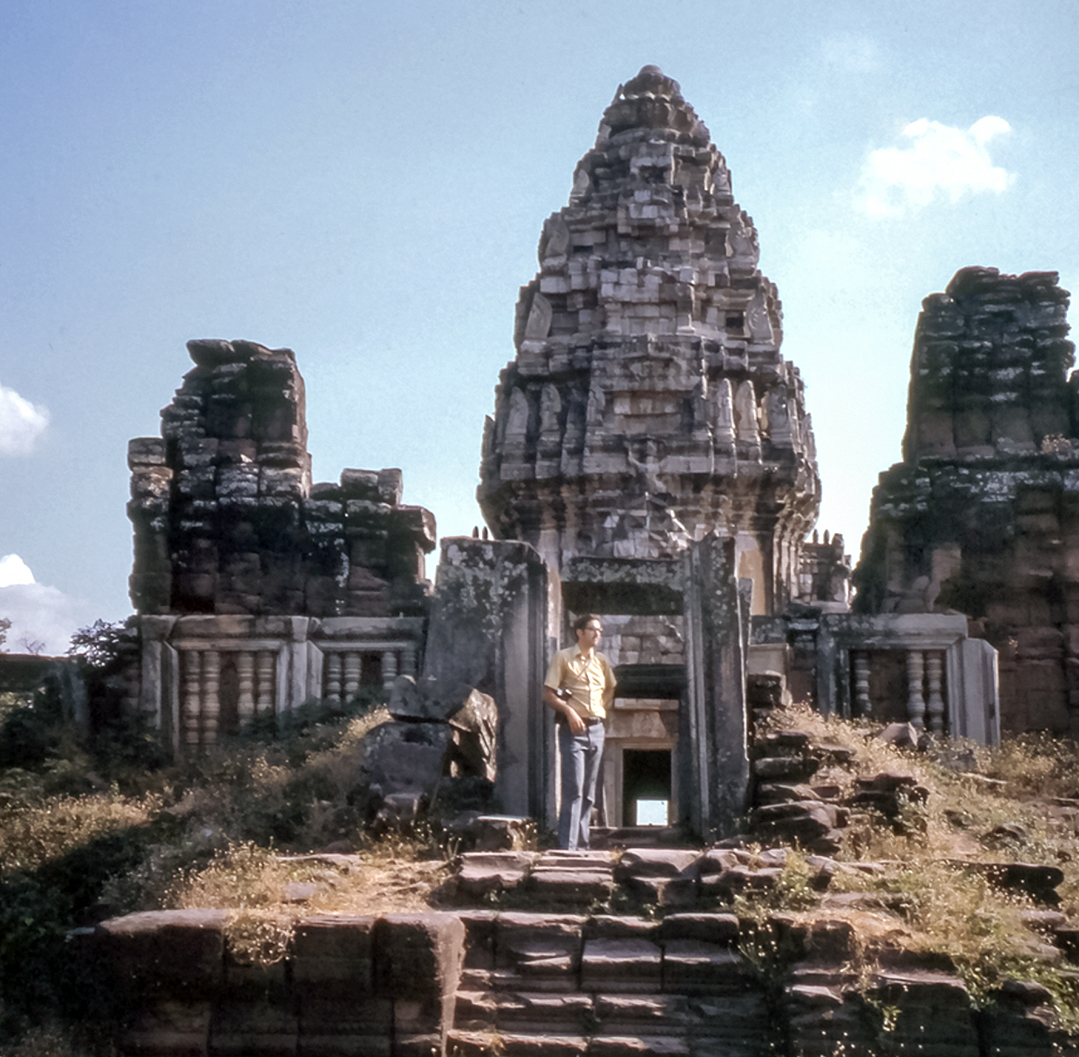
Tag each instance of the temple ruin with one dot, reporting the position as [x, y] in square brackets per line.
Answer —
[982, 514]
[650, 458]
[257, 590]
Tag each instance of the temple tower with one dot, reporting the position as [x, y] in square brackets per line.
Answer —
[648, 404]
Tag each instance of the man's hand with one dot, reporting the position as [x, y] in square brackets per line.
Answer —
[576, 724]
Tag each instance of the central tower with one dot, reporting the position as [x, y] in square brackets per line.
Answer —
[648, 404]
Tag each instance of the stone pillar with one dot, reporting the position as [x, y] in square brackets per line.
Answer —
[862, 705]
[192, 700]
[331, 687]
[935, 703]
[211, 697]
[353, 667]
[245, 686]
[489, 631]
[389, 668]
[264, 700]
[973, 700]
[713, 753]
[915, 700]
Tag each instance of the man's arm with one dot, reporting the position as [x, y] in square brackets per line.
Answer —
[564, 708]
[609, 680]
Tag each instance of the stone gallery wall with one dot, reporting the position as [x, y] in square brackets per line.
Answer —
[227, 520]
[982, 515]
[648, 403]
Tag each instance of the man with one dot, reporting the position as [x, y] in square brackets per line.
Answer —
[579, 687]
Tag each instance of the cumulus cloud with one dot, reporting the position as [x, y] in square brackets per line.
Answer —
[936, 161]
[41, 617]
[13, 570]
[21, 423]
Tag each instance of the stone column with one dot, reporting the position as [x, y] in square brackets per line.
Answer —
[211, 696]
[265, 693]
[915, 700]
[389, 669]
[935, 704]
[192, 699]
[862, 705]
[712, 723]
[353, 664]
[331, 688]
[245, 686]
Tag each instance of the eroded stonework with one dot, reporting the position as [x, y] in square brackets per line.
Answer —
[648, 403]
[982, 515]
[226, 518]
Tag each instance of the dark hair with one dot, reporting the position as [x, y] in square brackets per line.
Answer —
[583, 621]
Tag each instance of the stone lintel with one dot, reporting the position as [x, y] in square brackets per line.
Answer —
[629, 586]
[891, 631]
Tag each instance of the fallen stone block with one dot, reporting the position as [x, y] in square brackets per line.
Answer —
[481, 874]
[657, 862]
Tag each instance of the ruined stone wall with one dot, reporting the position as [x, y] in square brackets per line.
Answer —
[648, 403]
[227, 521]
[484, 982]
[982, 515]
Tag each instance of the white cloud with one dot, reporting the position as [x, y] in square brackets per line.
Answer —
[21, 423]
[41, 614]
[38, 614]
[939, 161]
[13, 570]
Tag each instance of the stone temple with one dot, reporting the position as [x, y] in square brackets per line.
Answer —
[648, 404]
[650, 459]
[982, 514]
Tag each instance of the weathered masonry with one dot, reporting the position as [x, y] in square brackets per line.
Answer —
[982, 514]
[650, 458]
[257, 590]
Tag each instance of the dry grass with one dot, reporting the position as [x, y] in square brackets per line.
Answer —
[35, 833]
[937, 907]
[383, 879]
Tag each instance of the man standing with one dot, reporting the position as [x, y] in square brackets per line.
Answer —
[579, 687]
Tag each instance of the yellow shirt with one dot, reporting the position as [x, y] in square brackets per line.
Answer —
[589, 680]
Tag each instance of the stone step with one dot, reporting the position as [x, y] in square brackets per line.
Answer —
[506, 1044]
[735, 1018]
[604, 837]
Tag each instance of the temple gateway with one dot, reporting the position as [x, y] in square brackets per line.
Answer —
[649, 458]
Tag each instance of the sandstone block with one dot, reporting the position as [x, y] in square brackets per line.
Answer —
[181, 951]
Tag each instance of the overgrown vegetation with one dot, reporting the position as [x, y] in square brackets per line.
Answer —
[1018, 802]
[99, 828]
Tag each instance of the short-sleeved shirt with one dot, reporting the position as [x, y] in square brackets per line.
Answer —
[589, 680]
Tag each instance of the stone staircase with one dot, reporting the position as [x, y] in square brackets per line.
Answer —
[605, 985]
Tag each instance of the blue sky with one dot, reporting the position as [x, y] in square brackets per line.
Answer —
[366, 184]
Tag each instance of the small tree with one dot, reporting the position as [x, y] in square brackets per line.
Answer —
[5, 627]
[100, 643]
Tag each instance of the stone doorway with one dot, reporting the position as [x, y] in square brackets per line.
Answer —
[647, 787]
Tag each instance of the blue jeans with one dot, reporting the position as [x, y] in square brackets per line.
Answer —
[581, 756]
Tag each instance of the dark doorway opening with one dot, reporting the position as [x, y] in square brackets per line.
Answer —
[646, 787]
